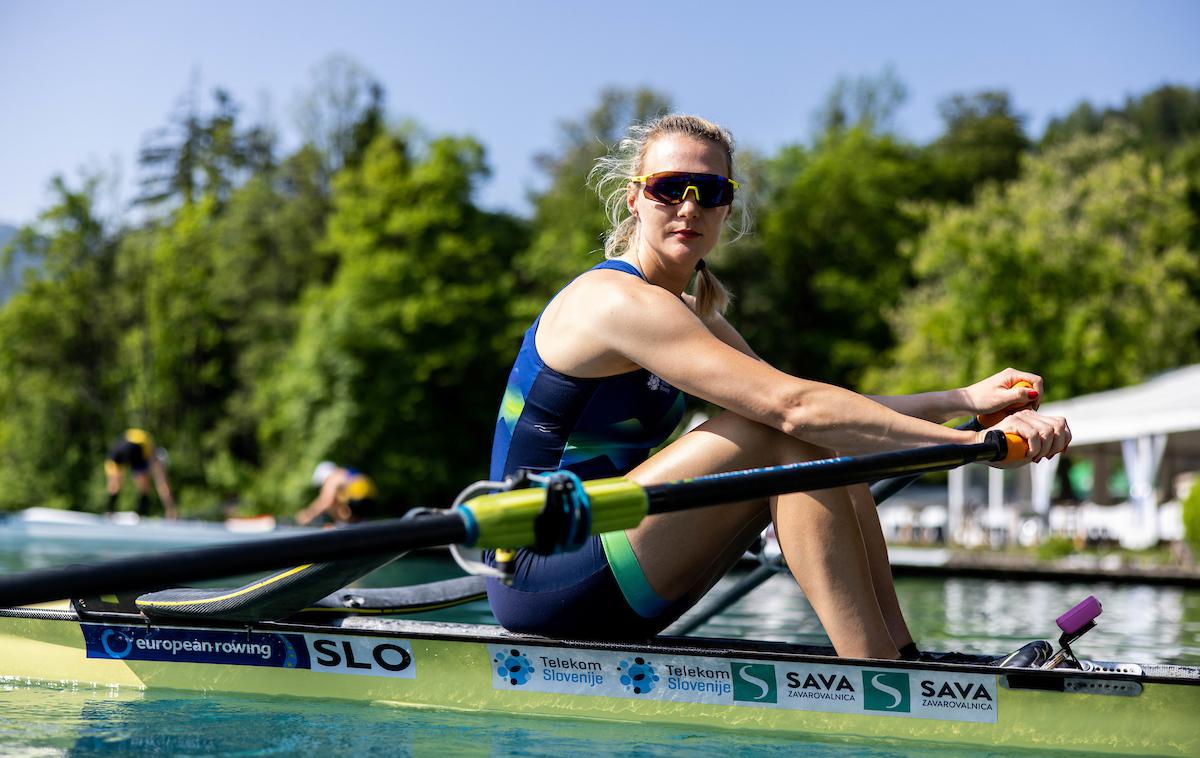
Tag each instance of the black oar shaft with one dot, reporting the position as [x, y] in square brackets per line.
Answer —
[885, 488]
[816, 475]
[152, 572]
[143, 573]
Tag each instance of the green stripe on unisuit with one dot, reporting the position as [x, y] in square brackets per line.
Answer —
[630, 578]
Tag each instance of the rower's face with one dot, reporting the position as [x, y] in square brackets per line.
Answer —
[686, 232]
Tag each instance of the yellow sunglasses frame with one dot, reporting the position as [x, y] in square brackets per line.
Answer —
[694, 189]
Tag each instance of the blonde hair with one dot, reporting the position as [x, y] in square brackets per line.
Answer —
[611, 176]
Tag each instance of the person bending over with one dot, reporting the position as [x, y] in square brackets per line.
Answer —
[346, 496]
[135, 451]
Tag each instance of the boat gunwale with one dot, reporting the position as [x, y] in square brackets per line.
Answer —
[717, 647]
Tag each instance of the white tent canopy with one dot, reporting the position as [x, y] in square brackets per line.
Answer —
[1146, 422]
[1164, 405]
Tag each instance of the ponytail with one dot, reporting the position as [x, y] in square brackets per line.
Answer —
[712, 297]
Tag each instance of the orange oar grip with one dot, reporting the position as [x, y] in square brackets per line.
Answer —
[988, 420]
[1018, 448]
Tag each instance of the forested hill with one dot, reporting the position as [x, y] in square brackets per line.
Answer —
[259, 310]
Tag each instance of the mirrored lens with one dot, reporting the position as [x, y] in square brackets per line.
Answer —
[710, 190]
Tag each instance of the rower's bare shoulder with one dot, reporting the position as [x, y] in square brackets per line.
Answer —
[611, 297]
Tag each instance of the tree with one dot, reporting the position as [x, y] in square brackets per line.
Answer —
[1083, 119]
[199, 154]
[1079, 270]
[983, 141]
[568, 219]
[58, 336]
[342, 112]
[178, 359]
[814, 288]
[265, 254]
[1159, 120]
[398, 364]
[867, 102]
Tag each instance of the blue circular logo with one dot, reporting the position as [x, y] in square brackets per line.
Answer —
[119, 638]
[638, 676]
[290, 658]
[513, 667]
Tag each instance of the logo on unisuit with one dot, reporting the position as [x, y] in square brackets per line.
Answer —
[653, 383]
[754, 683]
[513, 667]
[886, 691]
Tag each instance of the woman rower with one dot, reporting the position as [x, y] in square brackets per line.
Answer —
[598, 383]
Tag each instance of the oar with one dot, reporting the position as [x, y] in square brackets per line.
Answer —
[500, 520]
[885, 488]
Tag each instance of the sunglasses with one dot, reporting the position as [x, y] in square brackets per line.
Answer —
[673, 187]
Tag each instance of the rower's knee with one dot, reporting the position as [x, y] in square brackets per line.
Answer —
[774, 446]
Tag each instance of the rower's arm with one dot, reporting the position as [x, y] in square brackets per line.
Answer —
[164, 490]
[324, 502]
[1009, 389]
[723, 330]
[931, 406]
[655, 330]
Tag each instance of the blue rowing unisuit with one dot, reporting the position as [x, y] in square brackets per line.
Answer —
[593, 427]
[596, 428]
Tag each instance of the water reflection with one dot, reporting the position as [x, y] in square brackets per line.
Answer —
[1143, 624]
[41, 720]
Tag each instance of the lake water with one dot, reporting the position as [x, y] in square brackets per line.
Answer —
[1142, 624]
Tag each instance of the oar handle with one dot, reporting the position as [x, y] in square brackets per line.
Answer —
[987, 420]
[1016, 448]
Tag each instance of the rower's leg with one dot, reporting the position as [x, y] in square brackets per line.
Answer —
[822, 541]
[881, 566]
[114, 477]
[683, 554]
[142, 480]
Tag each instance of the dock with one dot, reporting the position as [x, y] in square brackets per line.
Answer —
[943, 562]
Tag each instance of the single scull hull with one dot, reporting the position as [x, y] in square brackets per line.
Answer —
[687, 683]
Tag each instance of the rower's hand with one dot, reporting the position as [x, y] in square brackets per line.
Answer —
[1001, 394]
[1045, 436]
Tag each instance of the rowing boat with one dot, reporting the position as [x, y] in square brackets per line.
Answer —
[126, 528]
[691, 683]
[223, 640]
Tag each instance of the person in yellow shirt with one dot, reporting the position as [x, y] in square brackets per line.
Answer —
[345, 496]
[134, 450]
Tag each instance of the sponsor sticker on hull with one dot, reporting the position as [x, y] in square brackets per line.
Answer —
[336, 654]
[758, 684]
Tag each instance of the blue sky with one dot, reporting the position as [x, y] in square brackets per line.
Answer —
[81, 83]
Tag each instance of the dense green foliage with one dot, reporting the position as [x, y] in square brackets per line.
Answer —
[824, 269]
[398, 363]
[1191, 517]
[351, 301]
[1081, 267]
[1161, 120]
[58, 339]
[568, 218]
